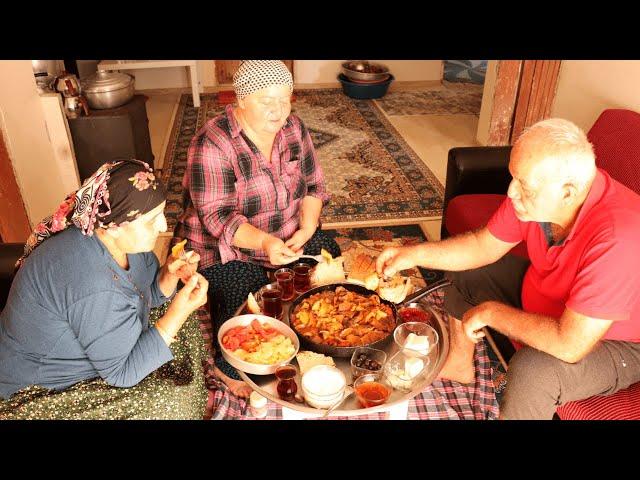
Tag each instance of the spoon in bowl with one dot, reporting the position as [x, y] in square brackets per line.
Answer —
[347, 393]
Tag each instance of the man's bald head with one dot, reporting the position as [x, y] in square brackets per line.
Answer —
[557, 149]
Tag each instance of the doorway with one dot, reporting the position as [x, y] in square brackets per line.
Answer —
[467, 71]
[226, 68]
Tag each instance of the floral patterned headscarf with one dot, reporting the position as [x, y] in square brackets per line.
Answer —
[118, 193]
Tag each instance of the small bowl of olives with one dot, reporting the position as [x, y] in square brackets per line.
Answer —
[367, 360]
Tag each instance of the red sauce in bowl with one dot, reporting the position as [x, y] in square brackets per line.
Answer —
[413, 315]
[372, 394]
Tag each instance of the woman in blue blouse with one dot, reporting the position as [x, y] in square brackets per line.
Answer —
[77, 316]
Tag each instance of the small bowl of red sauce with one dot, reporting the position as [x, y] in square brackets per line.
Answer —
[414, 312]
[371, 390]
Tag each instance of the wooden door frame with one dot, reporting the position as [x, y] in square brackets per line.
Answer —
[14, 222]
[524, 94]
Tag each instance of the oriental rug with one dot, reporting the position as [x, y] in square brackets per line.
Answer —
[446, 99]
[374, 176]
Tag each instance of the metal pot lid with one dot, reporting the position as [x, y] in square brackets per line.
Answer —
[105, 81]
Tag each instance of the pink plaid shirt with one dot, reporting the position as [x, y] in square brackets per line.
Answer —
[228, 182]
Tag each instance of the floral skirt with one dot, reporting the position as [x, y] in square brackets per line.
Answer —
[175, 391]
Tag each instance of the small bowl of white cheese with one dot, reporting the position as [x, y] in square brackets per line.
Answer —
[416, 339]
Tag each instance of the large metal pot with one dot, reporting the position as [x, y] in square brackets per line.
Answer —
[107, 89]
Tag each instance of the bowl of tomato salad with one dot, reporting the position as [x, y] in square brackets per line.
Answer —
[257, 344]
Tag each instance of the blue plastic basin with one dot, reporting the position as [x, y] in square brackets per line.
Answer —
[364, 91]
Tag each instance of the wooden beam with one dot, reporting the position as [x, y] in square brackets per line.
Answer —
[14, 223]
[524, 95]
[504, 101]
[537, 91]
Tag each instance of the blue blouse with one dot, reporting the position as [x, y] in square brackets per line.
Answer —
[74, 314]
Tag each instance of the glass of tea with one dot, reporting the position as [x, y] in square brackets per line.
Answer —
[284, 276]
[270, 299]
[302, 277]
[371, 390]
[286, 387]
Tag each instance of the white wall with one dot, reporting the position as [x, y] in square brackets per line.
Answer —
[587, 87]
[486, 108]
[306, 71]
[174, 77]
[326, 71]
[30, 150]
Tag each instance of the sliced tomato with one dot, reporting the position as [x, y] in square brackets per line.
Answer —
[257, 327]
[234, 331]
[268, 333]
[233, 344]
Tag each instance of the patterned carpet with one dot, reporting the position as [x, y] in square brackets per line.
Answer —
[441, 100]
[473, 71]
[372, 173]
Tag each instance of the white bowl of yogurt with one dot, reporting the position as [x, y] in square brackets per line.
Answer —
[323, 386]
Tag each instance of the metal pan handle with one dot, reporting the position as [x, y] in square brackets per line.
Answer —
[414, 297]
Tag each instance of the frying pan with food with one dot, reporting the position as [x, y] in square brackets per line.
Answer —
[345, 352]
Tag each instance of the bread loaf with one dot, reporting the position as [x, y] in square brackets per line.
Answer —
[363, 272]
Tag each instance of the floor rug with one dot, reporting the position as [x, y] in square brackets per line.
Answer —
[473, 71]
[440, 100]
[374, 176]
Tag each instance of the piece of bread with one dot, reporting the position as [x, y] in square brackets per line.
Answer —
[363, 271]
[252, 304]
[308, 360]
[395, 289]
[178, 249]
[331, 270]
[372, 281]
[188, 269]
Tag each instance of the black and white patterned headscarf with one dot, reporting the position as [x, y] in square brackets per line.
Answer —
[254, 75]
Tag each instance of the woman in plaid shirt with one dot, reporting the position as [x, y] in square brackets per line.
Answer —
[254, 191]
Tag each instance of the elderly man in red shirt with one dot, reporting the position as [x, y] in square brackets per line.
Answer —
[576, 305]
[255, 192]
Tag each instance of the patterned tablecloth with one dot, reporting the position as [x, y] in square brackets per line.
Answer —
[442, 400]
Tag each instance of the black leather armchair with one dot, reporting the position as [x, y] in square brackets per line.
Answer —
[478, 170]
[475, 170]
[9, 254]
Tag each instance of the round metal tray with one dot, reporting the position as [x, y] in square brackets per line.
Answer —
[265, 385]
[351, 71]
